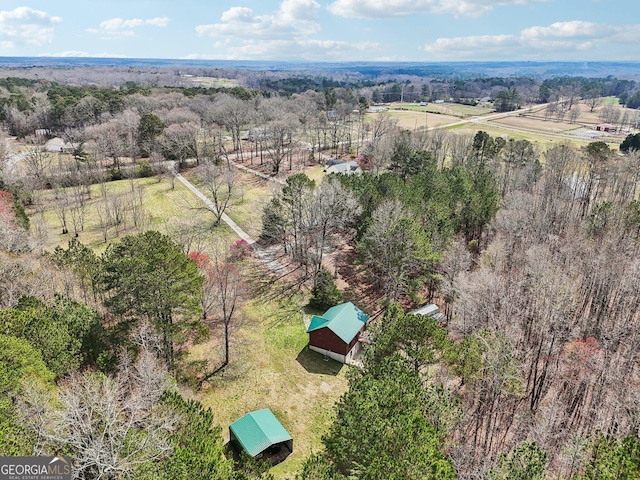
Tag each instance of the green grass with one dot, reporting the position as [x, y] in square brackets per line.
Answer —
[412, 119]
[247, 210]
[247, 204]
[271, 367]
[162, 205]
[316, 173]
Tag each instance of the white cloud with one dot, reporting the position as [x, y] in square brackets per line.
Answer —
[470, 45]
[158, 22]
[24, 26]
[293, 19]
[284, 34]
[571, 29]
[118, 27]
[535, 42]
[81, 54]
[306, 50]
[299, 10]
[401, 8]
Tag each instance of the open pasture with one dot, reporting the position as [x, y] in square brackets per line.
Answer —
[410, 119]
[451, 109]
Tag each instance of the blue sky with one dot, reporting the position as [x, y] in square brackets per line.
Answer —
[316, 30]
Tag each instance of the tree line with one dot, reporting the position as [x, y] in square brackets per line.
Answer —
[538, 284]
[531, 254]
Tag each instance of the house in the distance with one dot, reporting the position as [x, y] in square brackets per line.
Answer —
[261, 435]
[339, 333]
[346, 168]
[58, 145]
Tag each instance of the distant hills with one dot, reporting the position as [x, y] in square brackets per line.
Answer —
[459, 70]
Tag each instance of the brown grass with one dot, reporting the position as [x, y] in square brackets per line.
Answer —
[411, 119]
[536, 124]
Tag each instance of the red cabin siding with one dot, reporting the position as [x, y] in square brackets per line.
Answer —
[327, 340]
[324, 338]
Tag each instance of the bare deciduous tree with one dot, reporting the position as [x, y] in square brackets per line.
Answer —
[36, 159]
[220, 183]
[222, 292]
[111, 425]
[233, 114]
[608, 114]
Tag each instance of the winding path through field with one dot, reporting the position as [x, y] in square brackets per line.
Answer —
[263, 254]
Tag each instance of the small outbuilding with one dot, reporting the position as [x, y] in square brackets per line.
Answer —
[58, 145]
[606, 127]
[339, 333]
[432, 310]
[262, 436]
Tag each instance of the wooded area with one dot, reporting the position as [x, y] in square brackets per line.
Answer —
[529, 249]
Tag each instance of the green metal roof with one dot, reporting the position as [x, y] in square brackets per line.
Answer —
[345, 320]
[259, 430]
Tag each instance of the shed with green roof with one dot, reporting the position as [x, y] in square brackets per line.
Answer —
[261, 435]
[338, 332]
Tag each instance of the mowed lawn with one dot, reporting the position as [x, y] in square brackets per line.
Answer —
[271, 367]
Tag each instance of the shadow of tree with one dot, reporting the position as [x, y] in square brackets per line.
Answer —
[263, 284]
[361, 288]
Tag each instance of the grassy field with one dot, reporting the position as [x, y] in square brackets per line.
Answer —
[540, 139]
[315, 173]
[271, 367]
[588, 117]
[535, 128]
[247, 204]
[451, 109]
[215, 82]
[536, 124]
[411, 119]
[162, 205]
[611, 101]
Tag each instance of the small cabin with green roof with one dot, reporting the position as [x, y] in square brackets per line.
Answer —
[338, 333]
[261, 435]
